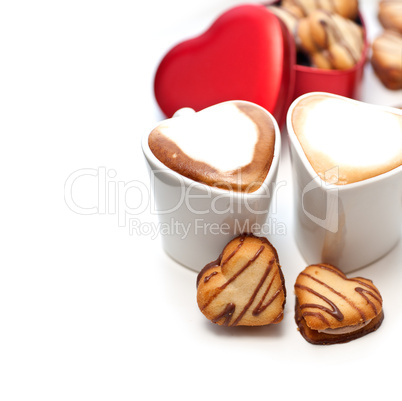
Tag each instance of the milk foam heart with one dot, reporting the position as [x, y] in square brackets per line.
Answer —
[209, 126]
[347, 141]
[229, 145]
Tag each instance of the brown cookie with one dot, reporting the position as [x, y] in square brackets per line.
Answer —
[244, 286]
[345, 8]
[331, 41]
[287, 17]
[331, 309]
[390, 14]
[386, 59]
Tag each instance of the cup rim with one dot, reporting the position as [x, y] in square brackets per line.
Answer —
[302, 156]
[153, 160]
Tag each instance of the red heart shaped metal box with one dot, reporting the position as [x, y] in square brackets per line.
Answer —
[246, 54]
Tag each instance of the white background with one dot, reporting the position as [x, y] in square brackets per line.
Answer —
[90, 311]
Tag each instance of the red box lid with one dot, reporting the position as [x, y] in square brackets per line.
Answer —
[246, 54]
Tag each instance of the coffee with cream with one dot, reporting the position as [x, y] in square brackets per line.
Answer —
[229, 145]
[347, 141]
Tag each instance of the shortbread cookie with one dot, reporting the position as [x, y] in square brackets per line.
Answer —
[386, 59]
[331, 41]
[345, 8]
[287, 16]
[390, 14]
[244, 286]
[331, 308]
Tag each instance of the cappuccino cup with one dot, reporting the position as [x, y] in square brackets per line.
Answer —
[212, 175]
[347, 172]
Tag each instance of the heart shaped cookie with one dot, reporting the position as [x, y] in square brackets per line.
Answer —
[229, 145]
[386, 59]
[390, 14]
[244, 286]
[331, 308]
[246, 54]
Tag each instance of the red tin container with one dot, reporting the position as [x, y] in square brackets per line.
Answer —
[340, 82]
[246, 54]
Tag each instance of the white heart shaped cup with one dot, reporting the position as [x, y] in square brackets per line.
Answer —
[197, 220]
[350, 225]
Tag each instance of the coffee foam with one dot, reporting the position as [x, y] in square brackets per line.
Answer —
[214, 125]
[229, 145]
[347, 141]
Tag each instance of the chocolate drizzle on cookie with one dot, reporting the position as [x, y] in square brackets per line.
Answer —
[364, 294]
[227, 314]
[206, 279]
[333, 311]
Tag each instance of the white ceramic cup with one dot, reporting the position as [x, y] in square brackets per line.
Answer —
[197, 220]
[349, 226]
